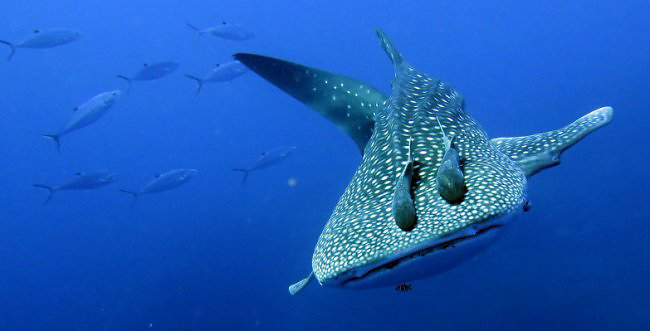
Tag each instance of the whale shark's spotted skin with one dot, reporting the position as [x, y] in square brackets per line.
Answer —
[361, 241]
[362, 230]
[346, 102]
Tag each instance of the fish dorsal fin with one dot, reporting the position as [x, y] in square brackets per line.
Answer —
[393, 53]
[346, 102]
[543, 150]
[445, 139]
[409, 160]
[410, 151]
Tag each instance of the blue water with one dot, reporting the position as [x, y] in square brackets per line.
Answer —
[216, 255]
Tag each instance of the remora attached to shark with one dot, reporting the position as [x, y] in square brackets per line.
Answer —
[409, 142]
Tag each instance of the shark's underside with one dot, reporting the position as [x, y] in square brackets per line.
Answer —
[362, 244]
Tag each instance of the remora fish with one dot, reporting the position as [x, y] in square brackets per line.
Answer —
[220, 73]
[86, 114]
[82, 181]
[165, 182]
[225, 31]
[45, 39]
[151, 71]
[450, 178]
[267, 159]
[362, 246]
[403, 207]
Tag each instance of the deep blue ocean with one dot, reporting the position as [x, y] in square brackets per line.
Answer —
[214, 254]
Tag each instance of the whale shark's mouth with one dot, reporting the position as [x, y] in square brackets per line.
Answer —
[420, 253]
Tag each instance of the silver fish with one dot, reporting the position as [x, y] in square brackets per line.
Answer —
[44, 39]
[151, 71]
[84, 115]
[82, 181]
[221, 73]
[224, 30]
[165, 182]
[267, 159]
[362, 245]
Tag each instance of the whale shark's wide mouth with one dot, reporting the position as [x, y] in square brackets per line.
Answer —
[436, 247]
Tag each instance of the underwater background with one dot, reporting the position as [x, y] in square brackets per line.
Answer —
[214, 254]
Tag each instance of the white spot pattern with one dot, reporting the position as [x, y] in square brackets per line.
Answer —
[362, 230]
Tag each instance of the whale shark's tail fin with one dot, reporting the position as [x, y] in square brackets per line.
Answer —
[12, 51]
[56, 139]
[543, 150]
[133, 194]
[245, 171]
[199, 83]
[391, 50]
[50, 191]
[128, 81]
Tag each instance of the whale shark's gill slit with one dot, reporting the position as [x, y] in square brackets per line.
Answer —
[452, 243]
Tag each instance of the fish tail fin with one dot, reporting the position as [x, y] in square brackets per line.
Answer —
[12, 51]
[133, 194]
[55, 138]
[199, 83]
[50, 191]
[199, 32]
[391, 50]
[245, 171]
[128, 81]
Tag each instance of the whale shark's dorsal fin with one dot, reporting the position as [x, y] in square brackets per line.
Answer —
[346, 102]
[394, 54]
[543, 150]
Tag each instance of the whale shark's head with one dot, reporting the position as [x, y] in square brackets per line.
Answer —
[362, 246]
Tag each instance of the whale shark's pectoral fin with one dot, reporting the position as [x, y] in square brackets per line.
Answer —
[296, 287]
[543, 150]
[346, 102]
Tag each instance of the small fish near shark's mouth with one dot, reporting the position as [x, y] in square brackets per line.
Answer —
[421, 262]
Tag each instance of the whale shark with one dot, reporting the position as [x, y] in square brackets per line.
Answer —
[404, 137]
